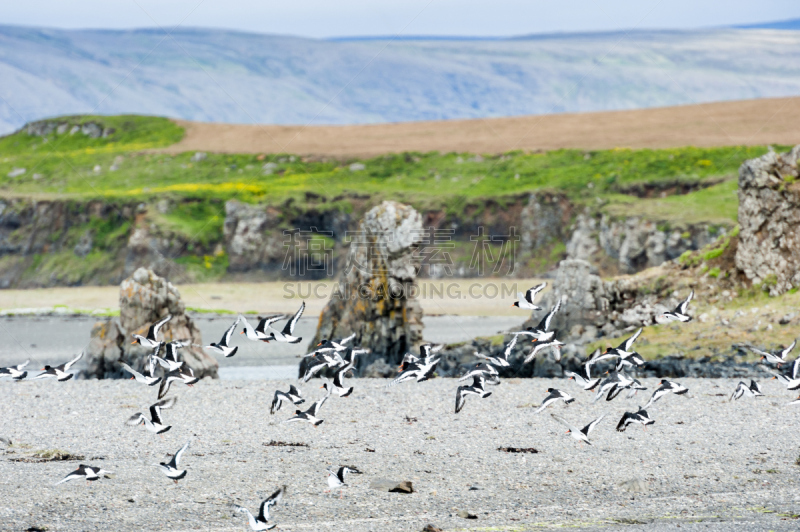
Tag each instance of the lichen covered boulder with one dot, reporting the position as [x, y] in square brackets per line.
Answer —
[769, 221]
[144, 299]
[375, 297]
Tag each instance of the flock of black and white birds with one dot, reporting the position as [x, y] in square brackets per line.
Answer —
[333, 359]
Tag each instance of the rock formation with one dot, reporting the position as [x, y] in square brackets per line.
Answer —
[375, 297]
[769, 221]
[592, 308]
[144, 298]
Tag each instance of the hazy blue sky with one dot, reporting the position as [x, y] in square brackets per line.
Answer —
[334, 18]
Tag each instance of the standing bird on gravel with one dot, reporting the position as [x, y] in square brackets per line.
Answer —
[476, 388]
[754, 390]
[679, 314]
[628, 418]
[171, 468]
[150, 341]
[223, 347]
[579, 434]
[774, 359]
[261, 522]
[666, 387]
[525, 301]
[287, 334]
[15, 372]
[336, 479]
[60, 373]
[292, 396]
[86, 472]
[154, 424]
[555, 395]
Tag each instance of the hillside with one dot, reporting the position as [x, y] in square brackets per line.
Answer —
[225, 76]
[739, 123]
[87, 199]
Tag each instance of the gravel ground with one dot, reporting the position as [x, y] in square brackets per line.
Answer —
[706, 464]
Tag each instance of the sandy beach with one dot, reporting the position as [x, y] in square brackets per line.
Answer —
[706, 464]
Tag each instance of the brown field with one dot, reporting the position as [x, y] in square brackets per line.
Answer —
[748, 122]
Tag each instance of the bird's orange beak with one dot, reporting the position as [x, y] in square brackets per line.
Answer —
[133, 342]
[319, 344]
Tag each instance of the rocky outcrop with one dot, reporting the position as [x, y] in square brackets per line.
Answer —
[91, 129]
[769, 221]
[144, 299]
[634, 244]
[375, 297]
[592, 308]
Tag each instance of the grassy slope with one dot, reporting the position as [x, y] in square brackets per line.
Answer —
[77, 167]
[65, 166]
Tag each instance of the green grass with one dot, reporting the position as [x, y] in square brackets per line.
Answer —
[65, 165]
[715, 204]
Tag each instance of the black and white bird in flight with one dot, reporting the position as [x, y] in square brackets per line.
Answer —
[151, 339]
[61, 372]
[337, 479]
[310, 415]
[476, 388]
[170, 361]
[262, 521]
[586, 382]
[287, 334]
[339, 344]
[421, 370]
[337, 385]
[292, 396]
[183, 374]
[223, 347]
[15, 372]
[501, 361]
[171, 468]
[623, 353]
[140, 377]
[555, 395]
[525, 301]
[154, 424]
[259, 333]
[580, 434]
[666, 387]
[779, 358]
[628, 418]
[552, 344]
[88, 473]
[679, 314]
[542, 332]
[754, 390]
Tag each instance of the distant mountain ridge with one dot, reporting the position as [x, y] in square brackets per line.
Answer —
[227, 76]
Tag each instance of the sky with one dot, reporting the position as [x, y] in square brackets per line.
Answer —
[356, 18]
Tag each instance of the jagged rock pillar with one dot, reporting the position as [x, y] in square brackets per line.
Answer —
[769, 221]
[144, 299]
[376, 296]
